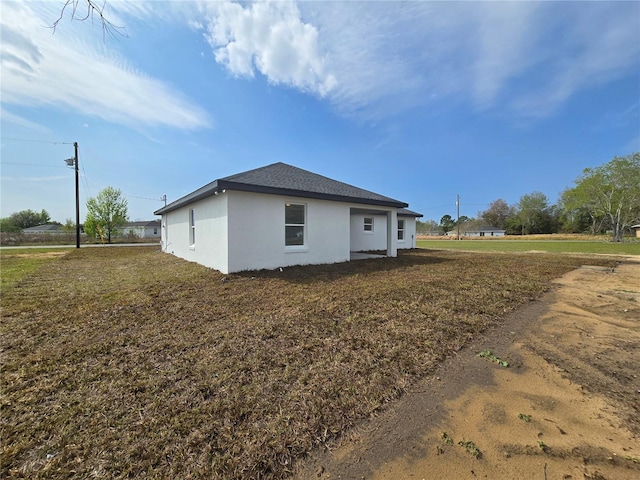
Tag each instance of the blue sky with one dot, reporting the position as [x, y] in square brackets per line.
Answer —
[419, 101]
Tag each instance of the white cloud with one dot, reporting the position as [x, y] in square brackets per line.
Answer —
[269, 37]
[43, 69]
[526, 58]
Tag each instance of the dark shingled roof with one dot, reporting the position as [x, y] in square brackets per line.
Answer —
[143, 223]
[282, 179]
[404, 212]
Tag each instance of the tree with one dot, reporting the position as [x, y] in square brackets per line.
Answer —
[82, 10]
[6, 225]
[576, 214]
[106, 213]
[427, 227]
[534, 214]
[497, 214]
[462, 220]
[611, 191]
[25, 219]
[447, 223]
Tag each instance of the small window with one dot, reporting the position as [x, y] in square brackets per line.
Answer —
[294, 224]
[155, 231]
[368, 224]
[400, 229]
[192, 226]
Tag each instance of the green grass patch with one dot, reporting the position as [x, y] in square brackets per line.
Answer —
[129, 363]
[551, 246]
[15, 264]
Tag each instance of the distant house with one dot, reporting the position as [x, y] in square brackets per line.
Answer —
[485, 232]
[52, 228]
[280, 215]
[142, 229]
[477, 232]
[637, 229]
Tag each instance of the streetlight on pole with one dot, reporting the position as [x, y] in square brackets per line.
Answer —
[73, 162]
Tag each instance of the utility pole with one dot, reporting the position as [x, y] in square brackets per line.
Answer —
[73, 162]
[458, 220]
[75, 147]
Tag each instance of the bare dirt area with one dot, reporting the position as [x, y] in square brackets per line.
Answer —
[41, 255]
[567, 406]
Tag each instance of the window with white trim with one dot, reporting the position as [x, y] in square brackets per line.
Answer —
[368, 224]
[294, 224]
[400, 229]
[192, 226]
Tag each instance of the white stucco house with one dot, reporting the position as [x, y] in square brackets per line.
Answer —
[280, 215]
[142, 229]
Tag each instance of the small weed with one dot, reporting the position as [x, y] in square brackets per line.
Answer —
[488, 354]
[446, 438]
[632, 458]
[543, 446]
[470, 447]
[524, 417]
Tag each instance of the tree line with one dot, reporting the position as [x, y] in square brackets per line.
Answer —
[604, 198]
[106, 214]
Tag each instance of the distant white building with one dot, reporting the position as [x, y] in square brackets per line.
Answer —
[143, 229]
[478, 232]
[485, 232]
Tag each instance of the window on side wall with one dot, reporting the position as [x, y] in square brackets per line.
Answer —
[192, 227]
[400, 229]
[294, 224]
[368, 224]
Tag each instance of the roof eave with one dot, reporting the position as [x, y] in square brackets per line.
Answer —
[291, 192]
[221, 185]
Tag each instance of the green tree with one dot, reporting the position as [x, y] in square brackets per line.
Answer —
[25, 219]
[577, 214]
[611, 191]
[462, 220]
[497, 214]
[447, 223]
[69, 228]
[534, 214]
[428, 226]
[6, 225]
[106, 214]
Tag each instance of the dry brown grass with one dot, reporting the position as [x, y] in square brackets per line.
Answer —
[128, 363]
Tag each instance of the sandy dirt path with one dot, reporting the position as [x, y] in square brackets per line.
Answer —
[566, 407]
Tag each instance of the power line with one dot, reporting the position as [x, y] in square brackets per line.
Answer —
[32, 164]
[144, 198]
[123, 194]
[35, 141]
